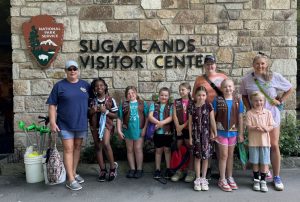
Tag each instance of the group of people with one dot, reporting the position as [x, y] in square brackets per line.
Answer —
[212, 115]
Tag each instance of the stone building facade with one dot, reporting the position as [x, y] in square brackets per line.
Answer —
[233, 30]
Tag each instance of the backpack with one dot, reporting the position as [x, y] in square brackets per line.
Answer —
[179, 158]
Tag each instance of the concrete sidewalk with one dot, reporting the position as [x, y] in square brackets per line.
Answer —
[15, 188]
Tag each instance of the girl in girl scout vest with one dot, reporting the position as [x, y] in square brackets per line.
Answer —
[229, 119]
[132, 123]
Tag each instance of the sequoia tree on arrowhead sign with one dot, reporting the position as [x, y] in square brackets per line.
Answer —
[44, 38]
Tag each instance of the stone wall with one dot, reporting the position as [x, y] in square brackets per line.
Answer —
[233, 30]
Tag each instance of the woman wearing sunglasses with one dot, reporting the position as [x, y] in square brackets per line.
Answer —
[68, 109]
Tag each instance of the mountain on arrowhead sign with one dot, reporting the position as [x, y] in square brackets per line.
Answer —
[44, 38]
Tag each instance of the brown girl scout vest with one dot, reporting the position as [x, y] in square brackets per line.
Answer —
[168, 127]
[126, 113]
[222, 118]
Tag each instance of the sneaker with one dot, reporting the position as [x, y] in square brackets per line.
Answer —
[168, 173]
[263, 186]
[269, 176]
[278, 183]
[204, 184]
[157, 174]
[177, 176]
[197, 184]
[74, 185]
[113, 172]
[138, 174]
[130, 174]
[102, 176]
[232, 183]
[224, 185]
[256, 185]
[208, 174]
[79, 179]
[190, 177]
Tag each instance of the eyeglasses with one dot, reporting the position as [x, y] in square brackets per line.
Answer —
[72, 69]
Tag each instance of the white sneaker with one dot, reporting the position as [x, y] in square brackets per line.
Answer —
[278, 183]
[204, 184]
[256, 185]
[197, 184]
[263, 186]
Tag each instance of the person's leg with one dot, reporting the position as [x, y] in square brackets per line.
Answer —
[204, 167]
[167, 151]
[98, 149]
[223, 156]
[138, 151]
[197, 166]
[130, 153]
[68, 149]
[76, 153]
[275, 151]
[229, 164]
[190, 148]
[108, 149]
[158, 155]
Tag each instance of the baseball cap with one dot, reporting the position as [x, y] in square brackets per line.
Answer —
[209, 58]
[71, 63]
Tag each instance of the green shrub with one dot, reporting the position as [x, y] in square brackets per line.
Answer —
[289, 137]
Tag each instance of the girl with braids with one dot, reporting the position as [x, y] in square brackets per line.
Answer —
[180, 118]
[269, 83]
[103, 109]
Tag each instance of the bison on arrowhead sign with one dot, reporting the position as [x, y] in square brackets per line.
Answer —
[44, 38]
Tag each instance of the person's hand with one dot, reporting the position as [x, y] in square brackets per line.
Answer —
[143, 132]
[93, 109]
[158, 125]
[54, 128]
[190, 142]
[179, 130]
[276, 102]
[259, 128]
[213, 137]
[121, 135]
[241, 138]
[102, 108]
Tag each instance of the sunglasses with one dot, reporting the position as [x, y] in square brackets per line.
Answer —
[72, 69]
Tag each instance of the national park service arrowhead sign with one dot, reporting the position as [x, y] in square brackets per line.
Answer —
[44, 38]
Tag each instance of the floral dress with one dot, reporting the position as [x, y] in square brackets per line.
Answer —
[202, 147]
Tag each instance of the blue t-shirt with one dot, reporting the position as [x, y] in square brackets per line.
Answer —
[224, 133]
[71, 100]
[161, 115]
[133, 131]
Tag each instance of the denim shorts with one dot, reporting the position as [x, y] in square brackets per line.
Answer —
[259, 155]
[67, 134]
[227, 141]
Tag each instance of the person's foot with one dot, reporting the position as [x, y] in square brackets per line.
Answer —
[157, 174]
[79, 179]
[204, 184]
[74, 185]
[168, 173]
[138, 174]
[130, 173]
[190, 177]
[224, 185]
[232, 183]
[102, 175]
[263, 186]
[269, 176]
[278, 183]
[197, 184]
[113, 172]
[256, 185]
[177, 176]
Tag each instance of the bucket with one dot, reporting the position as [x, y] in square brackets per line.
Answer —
[34, 169]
